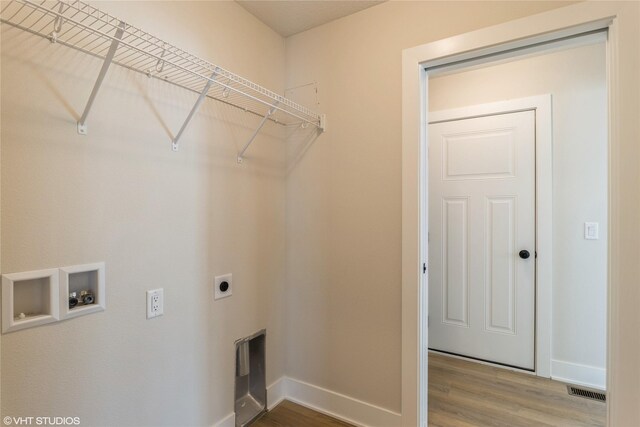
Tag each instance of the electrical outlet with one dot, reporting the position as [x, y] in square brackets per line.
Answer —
[222, 286]
[155, 303]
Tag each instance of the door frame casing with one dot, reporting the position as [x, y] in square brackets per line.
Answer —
[525, 32]
[541, 105]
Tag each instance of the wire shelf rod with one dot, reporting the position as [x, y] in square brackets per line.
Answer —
[100, 45]
[6, 6]
[210, 67]
[76, 24]
[16, 12]
[223, 72]
[28, 16]
[46, 23]
[243, 109]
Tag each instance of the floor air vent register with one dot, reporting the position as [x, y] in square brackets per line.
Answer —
[587, 394]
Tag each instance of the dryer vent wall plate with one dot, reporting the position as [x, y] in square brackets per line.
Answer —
[222, 286]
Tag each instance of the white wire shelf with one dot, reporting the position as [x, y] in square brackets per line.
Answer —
[83, 27]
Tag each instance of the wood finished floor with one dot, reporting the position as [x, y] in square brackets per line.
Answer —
[289, 414]
[469, 394]
[466, 394]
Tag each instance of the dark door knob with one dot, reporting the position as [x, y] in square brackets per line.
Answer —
[524, 254]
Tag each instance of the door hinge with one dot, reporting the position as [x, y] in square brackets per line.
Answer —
[424, 267]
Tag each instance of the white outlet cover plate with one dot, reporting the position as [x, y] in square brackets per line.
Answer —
[217, 293]
[159, 310]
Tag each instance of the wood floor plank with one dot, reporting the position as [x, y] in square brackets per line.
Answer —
[468, 394]
[289, 414]
[490, 396]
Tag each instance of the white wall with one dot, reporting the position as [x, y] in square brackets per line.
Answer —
[158, 219]
[342, 211]
[576, 79]
[344, 194]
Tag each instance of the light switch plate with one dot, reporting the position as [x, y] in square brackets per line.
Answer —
[591, 231]
[219, 293]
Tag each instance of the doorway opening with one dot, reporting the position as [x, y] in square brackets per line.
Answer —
[517, 219]
[499, 43]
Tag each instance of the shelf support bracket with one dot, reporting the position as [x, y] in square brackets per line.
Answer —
[82, 123]
[262, 123]
[203, 95]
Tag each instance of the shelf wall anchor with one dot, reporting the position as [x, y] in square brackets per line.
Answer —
[323, 123]
[57, 25]
[203, 95]
[82, 123]
[160, 63]
[264, 120]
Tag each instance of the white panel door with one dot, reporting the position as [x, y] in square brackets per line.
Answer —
[481, 216]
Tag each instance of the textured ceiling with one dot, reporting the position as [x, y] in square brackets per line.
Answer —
[291, 17]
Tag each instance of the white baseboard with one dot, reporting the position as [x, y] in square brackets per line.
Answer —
[340, 406]
[575, 373]
[228, 421]
[328, 402]
[276, 392]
